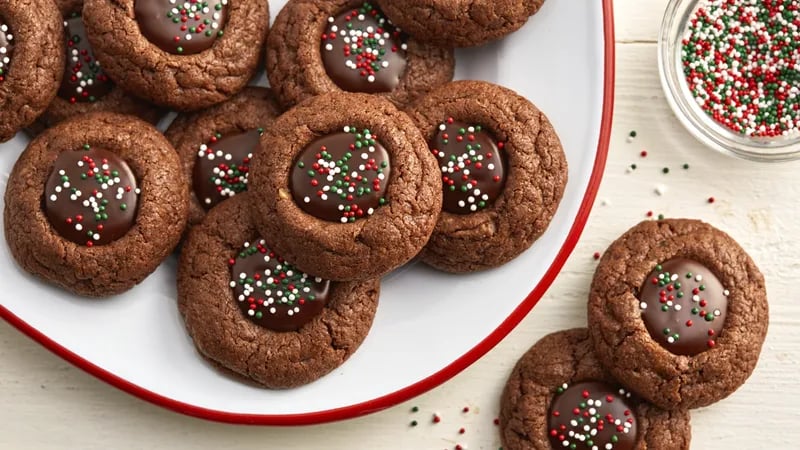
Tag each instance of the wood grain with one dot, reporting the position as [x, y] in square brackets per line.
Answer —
[49, 404]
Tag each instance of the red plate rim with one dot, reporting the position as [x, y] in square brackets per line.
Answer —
[423, 385]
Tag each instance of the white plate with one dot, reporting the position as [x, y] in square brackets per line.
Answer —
[429, 325]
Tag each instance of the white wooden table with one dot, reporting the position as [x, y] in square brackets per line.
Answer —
[47, 403]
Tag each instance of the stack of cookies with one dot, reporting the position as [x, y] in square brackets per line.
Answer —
[677, 316]
[291, 202]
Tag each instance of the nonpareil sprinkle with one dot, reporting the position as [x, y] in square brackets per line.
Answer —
[741, 60]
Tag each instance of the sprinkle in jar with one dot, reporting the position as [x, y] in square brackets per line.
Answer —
[741, 61]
